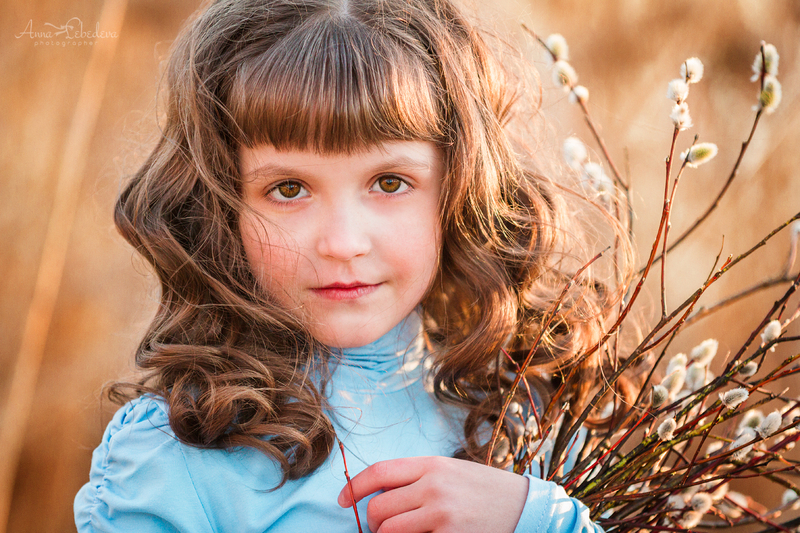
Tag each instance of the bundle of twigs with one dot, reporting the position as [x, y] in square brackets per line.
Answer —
[664, 462]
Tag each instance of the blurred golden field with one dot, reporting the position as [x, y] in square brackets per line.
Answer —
[625, 52]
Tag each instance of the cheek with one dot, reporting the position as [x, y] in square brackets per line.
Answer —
[272, 257]
[417, 249]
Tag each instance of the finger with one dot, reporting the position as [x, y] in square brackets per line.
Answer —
[392, 503]
[383, 475]
[419, 520]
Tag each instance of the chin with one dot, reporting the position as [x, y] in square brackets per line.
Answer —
[345, 339]
[351, 334]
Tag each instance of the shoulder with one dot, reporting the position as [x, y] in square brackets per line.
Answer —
[145, 416]
[139, 478]
[138, 434]
[144, 479]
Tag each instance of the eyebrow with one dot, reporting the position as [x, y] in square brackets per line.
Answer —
[283, 171]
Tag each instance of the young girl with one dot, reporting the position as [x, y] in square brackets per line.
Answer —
[346, 239]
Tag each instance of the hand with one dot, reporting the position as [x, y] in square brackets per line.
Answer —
[438, 494]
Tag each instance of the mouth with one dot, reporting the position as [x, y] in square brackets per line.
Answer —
[345, 291]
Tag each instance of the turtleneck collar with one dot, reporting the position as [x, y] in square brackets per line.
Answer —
[387, 364]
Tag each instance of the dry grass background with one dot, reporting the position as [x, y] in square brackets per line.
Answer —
[625, 51]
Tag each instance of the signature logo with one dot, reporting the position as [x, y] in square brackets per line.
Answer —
[72, 29]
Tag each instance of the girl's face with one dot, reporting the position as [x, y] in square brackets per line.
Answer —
[348, 243]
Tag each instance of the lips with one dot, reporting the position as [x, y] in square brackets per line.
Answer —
[345, 291]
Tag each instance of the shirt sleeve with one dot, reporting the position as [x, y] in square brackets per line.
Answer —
[139, 480]
[548, 509]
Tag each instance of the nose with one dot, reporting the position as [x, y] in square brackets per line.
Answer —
[344, 233]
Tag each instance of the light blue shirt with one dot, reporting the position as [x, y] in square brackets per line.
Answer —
[143, 479]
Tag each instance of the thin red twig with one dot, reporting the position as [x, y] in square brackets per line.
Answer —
[667, 208]
[563, 460]
[760, 518]
[350, 486]
[610, 449]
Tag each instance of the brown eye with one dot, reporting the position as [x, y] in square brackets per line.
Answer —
[287, 190]
[390, 183]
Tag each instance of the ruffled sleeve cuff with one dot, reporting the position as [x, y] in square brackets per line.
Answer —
[548, 509]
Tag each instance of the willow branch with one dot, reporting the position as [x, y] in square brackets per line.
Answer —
[715, 203]
[589, 122]
[524, 366]
[703, 312]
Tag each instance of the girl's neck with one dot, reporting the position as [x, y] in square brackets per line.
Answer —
[388, 363]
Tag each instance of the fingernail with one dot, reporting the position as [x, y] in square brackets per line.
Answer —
[341, 499]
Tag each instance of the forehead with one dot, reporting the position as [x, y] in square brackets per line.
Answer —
[414, 156]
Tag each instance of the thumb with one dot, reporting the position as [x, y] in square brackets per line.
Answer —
[344, 497]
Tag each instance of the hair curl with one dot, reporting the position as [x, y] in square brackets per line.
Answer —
[337, 76]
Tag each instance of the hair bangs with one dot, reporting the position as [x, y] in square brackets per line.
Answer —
[336, 85]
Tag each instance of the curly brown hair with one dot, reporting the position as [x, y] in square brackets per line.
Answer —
[337, 76]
